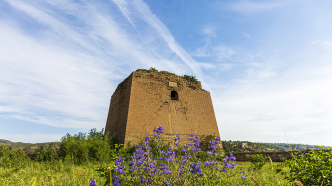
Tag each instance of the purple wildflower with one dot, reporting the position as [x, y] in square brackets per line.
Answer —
[92, 182]
[116, 183]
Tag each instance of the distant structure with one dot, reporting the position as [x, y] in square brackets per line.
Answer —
[243, 145]
[147, 99]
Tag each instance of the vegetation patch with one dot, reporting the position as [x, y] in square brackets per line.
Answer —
[187, 77]
[311, 168]
[96, 159]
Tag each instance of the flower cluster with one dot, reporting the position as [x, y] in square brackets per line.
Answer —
[119, 168]
[92, 182]
[212, 147]
[176, 139]
[143, 161]
[196, 169]
[227, 162]
[243, 177]
[195, 143]
[149, 170]
[212, 162]
[141, 157]
[158, 131]
[168, 155]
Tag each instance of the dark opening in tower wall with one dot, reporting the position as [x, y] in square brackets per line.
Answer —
[174, 95]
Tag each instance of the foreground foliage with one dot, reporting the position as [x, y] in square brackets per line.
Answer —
[97, 159]
[311, 168]
[61, 173]
[258, 161]
[182, 164]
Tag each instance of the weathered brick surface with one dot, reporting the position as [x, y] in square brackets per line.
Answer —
[143, 101]
[118, 111]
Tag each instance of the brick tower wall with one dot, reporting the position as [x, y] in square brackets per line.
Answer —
[150, 105]
[118, 111]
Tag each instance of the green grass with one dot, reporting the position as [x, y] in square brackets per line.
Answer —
[48, 172]
[69, 174]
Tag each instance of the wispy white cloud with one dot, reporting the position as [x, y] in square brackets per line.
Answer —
[123, 6]
[65, 76]
[264, 101]
[248, 6]
[223, 52]
[48, 20]
[153, 21]
[218, 53]
[327, 43]
[257, 107]
[40, 77]
[246, 35]
[200, 52]
[73, 84]
[260, 73]
[144, 13]
[209, 31]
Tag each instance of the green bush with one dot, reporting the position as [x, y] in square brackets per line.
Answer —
[205, 141]
[258, 161]
[96, 146]
[150, 70]
[311, 168]
[11, 158]
[191, 78]
[157, 145]
[153, 69]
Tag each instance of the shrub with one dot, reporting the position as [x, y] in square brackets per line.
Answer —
[205, 141]
[150, 70]
[75, 146]
[11, 158]
[311, 168]
[153, 70]
[191, 78]
[258, 161]
[96, 146]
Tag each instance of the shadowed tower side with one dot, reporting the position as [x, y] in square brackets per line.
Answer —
[118, 112]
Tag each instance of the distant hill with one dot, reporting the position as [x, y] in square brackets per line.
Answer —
[233, 146]
[28, 147]
[247, 146]
[283, 146]
[5, 142]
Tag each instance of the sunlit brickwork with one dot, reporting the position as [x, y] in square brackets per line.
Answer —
[148, 99]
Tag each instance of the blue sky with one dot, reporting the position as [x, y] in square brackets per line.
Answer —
[267, 64]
